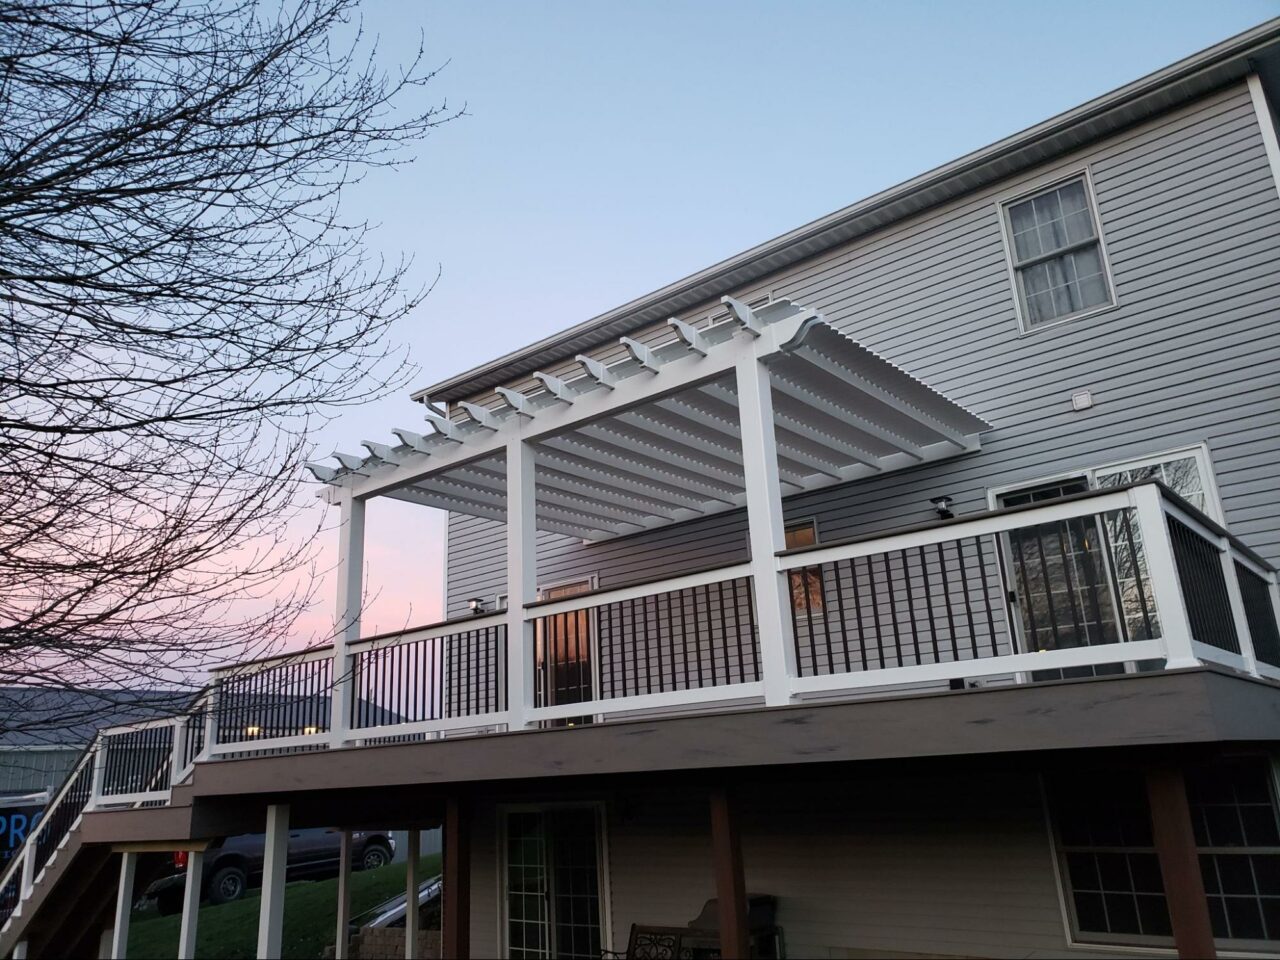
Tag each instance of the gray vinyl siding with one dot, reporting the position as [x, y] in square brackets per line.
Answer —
[1191, 220]
[950, 865]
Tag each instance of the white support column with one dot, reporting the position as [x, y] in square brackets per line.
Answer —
[765, 530]
[1162, 572]
[190, 906]
[342, 934]
[1236, 599]
[28, 868]
[522, 578]
[347, 624]
[124, 905]
[19, 950]
[411, 894]
[271, 910]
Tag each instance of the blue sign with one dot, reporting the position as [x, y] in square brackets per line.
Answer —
[16, 823]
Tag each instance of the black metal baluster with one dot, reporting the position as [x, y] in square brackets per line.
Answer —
[988, 592]
[737, 629]
[968, 601]
[844, 625]
[751, 627]
[1138, 581]
[946, 596]
[928, 602]
[911, 605]
[1076, 620]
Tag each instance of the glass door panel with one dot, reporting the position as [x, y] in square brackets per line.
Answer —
[553, 884]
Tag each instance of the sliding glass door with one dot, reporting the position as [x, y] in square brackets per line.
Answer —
[553, 870]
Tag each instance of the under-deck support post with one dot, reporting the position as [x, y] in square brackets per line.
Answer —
[190, 905]
[275, 859]
[19, 950]
[124, 905]
[347, 625]
[731, 887]
[456, 919]
[765, 530]
[522, 578]
[342, 931]
[1175, 844]
[411, 880]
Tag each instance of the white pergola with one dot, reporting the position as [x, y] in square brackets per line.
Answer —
[765, 403]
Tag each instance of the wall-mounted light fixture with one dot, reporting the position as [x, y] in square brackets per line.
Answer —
[943, 507]
[476, 605]
[1081, 400]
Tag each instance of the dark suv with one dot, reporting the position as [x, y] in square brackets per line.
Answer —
[234, 864]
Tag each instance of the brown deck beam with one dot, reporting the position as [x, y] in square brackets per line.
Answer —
[456, 918]
[1179, 863]
[731, 887]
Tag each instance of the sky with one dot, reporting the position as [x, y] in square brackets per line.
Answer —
[609, 149]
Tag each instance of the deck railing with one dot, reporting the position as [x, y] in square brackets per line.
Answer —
[1103, 582]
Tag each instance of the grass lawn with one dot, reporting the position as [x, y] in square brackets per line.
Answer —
[310, 908]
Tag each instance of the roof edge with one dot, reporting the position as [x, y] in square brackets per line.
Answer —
[821, 234]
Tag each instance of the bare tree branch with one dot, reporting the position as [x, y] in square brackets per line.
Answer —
[182, 304]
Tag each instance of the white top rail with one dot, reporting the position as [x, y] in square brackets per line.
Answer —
[649, 588]
[959, 529]
[447, 628]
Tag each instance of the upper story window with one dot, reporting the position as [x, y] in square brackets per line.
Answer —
[1059, 266]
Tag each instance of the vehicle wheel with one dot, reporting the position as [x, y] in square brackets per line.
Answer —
[227, 884]
[375, 856]
[169, 902]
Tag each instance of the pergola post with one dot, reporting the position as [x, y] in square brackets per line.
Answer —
[342, 931]
[456, 916]
[124, 905]
[1175, 844]
[350, 600]
[731, 887]
[190, 905]
[275, 860]
[765, 529]
[411, 894]
[522, 578]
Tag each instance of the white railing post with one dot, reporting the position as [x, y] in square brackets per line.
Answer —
[97, 781]
[210, 720]
[178, 750]
[765, 529]
[1162, 572]
[347, 627]
[522, 579]
[28, 868]
[1236, 599]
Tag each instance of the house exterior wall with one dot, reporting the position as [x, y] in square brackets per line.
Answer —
[1190, 216]
[927, 865]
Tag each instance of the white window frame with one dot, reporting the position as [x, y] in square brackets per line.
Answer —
[1199, 451]
[602, 867]
[1131, 947]
[1027, 192]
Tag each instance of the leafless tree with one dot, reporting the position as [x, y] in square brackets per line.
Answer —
[184, 302]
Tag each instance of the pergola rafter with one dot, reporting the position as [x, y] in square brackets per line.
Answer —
[656, 437]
